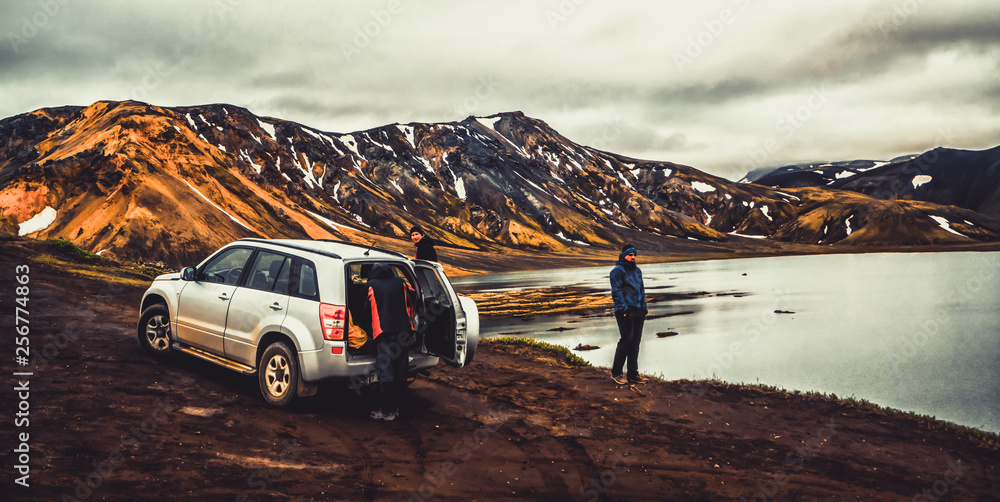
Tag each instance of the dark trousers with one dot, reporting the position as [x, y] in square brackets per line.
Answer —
[392, 362]
[627, 353]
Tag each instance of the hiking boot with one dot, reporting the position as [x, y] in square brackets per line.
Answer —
[376, 415]
[389, 417]
[636, 380]
[619, 379]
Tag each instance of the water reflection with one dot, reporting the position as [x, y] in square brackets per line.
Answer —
[917, 332]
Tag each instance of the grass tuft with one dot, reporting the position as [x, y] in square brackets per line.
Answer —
[569, 357]
[66, 247]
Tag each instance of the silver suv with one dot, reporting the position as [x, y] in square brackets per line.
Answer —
[286, 311]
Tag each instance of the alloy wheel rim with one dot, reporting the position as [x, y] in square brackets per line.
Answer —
[277, 375]
[158, 333]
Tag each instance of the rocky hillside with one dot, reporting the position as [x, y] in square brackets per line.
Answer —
[170, 184]
[963, 178]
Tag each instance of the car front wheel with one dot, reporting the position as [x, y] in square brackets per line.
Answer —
[278, 374]
[154, 330]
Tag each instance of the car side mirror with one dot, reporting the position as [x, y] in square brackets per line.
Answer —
[187, 274]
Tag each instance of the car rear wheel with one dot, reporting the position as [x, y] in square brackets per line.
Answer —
[278, 374]
[154, 330]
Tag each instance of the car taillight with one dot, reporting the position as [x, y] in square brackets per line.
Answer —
[331, 318]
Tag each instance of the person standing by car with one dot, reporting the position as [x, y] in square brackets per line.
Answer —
[629, 295]
[424, 244]
[391, 300]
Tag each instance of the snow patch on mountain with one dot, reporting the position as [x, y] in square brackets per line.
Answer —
[489, 123]
[920, 179]
[875, 166]
[328, 221]
[536, 187]
[223, 211]
[313, 134]
[307, 173]
[945, 224]
[336, 190]
[764, 209]
[38, 222]
[702, 187]
[349, 141]
[268, 128]
[511, 143]
[246, 157]
[567, 239]
[408, 134]
[396, 186]
[460, 188]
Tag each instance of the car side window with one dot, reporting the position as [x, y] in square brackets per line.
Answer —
[227, 267]
[431, 282]
[281, 286]
[302, 280]
[266, 270]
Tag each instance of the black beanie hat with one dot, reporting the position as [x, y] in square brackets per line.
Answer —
[416, 228]
[626, 249]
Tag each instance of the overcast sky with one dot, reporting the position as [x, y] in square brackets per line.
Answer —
[724, 85]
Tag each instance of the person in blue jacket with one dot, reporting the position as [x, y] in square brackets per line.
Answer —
[629, 295]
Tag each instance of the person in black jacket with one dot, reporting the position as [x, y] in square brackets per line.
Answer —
[391, 300]
[424, 244]
[629, 295]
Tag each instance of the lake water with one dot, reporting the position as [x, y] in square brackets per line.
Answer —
[913, 331]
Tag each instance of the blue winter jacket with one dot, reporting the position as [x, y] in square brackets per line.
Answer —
[627, 289]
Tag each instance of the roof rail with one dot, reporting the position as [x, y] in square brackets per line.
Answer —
[349, 243]
[293, 246]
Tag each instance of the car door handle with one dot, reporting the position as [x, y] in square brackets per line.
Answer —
[275, 306]
[223, 297]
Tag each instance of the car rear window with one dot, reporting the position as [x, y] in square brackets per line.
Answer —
[302, 280]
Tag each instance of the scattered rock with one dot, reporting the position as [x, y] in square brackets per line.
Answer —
[581, 346]
[200, 412]
[664, 334]
[783, 312]
[561, 329]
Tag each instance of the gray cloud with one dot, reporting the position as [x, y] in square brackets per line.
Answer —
[895, 71]
[890, 39]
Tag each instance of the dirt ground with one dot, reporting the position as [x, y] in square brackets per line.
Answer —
[109, 423]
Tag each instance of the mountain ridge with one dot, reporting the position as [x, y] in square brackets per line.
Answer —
[172, 183]
[965, 178]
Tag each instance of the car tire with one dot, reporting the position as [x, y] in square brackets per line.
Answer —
[278, 374]
[154, 330]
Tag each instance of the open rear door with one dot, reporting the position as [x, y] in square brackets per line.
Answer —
[441, 312]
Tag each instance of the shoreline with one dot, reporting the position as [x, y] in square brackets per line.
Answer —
[460, 263]
[989, 439]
